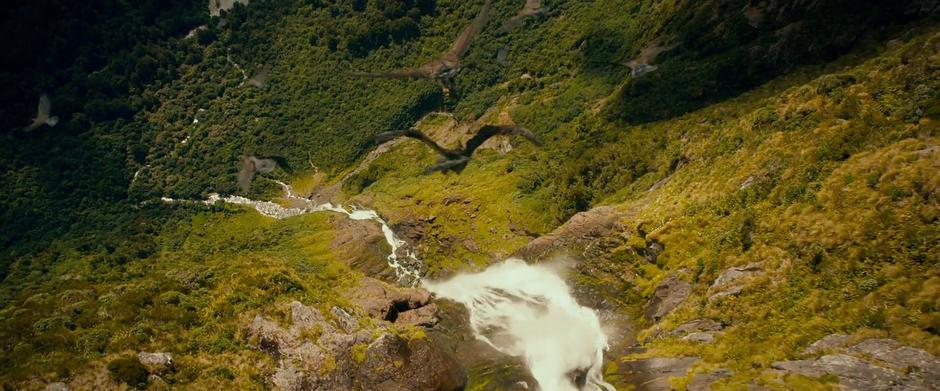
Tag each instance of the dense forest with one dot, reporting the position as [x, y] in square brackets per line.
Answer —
[800, 135]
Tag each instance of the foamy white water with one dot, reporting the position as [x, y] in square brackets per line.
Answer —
[407, 266]
[527, 311]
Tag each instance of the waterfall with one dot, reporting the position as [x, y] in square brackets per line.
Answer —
[527, 311]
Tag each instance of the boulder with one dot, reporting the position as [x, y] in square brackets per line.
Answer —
[268, 335]
[424, 316]
[418, 364]
[738, 273]
[702, 337]
[852, 372]
[696, 326]
[728, 292]
[668, 295]
[382, 301]
[328, 359]
[828, 342]
[344, 320]
[57, 386]
[905, 359]
[874, 364]
[583, 230]
[156, 363]
[305, 317]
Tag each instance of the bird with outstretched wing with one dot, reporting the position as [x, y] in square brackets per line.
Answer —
[456, 159]
[444, 68]
[43, 112]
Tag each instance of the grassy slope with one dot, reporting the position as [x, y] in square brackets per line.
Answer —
[843, 206]
[192, 297]
[827, 144]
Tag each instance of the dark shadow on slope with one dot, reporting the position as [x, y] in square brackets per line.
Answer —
[730, 46]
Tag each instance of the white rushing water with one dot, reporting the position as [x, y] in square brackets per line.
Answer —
[406, 264]
[527, 311]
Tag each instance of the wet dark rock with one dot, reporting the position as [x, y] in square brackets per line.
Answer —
[652, 374]
[669, 294]
[703, 381]
[412, 229]
[653, 249]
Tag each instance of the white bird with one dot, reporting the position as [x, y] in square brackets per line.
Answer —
[42, 114]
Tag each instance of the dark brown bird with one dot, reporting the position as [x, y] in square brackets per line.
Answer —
[252, 165]
[531, 8]
[444, 68]
[456, 159]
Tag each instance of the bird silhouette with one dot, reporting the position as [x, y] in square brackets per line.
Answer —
[531, 8]
[252, 165]
[260, 79]
[456, 159]
[42, 114]
[444, 68]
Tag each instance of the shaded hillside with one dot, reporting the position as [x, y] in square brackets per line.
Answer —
[796, 141]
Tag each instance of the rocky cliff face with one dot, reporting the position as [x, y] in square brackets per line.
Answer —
[341, 352]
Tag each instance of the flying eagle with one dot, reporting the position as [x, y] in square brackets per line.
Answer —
[456, 159]
[444, 68]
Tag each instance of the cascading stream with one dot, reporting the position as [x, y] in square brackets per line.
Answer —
[528, 311]
[407, 266]
[519, 309]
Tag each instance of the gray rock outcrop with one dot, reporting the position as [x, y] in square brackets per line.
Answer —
[668, 295]
[314, 353]
[157, 362]
[872, 365]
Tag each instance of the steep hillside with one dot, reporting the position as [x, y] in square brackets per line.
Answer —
[731, 181]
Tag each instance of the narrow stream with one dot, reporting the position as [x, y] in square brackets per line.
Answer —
[406, 265]
[518, 309]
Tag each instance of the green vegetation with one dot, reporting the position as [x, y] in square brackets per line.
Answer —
[130, 371]
[807, 143]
